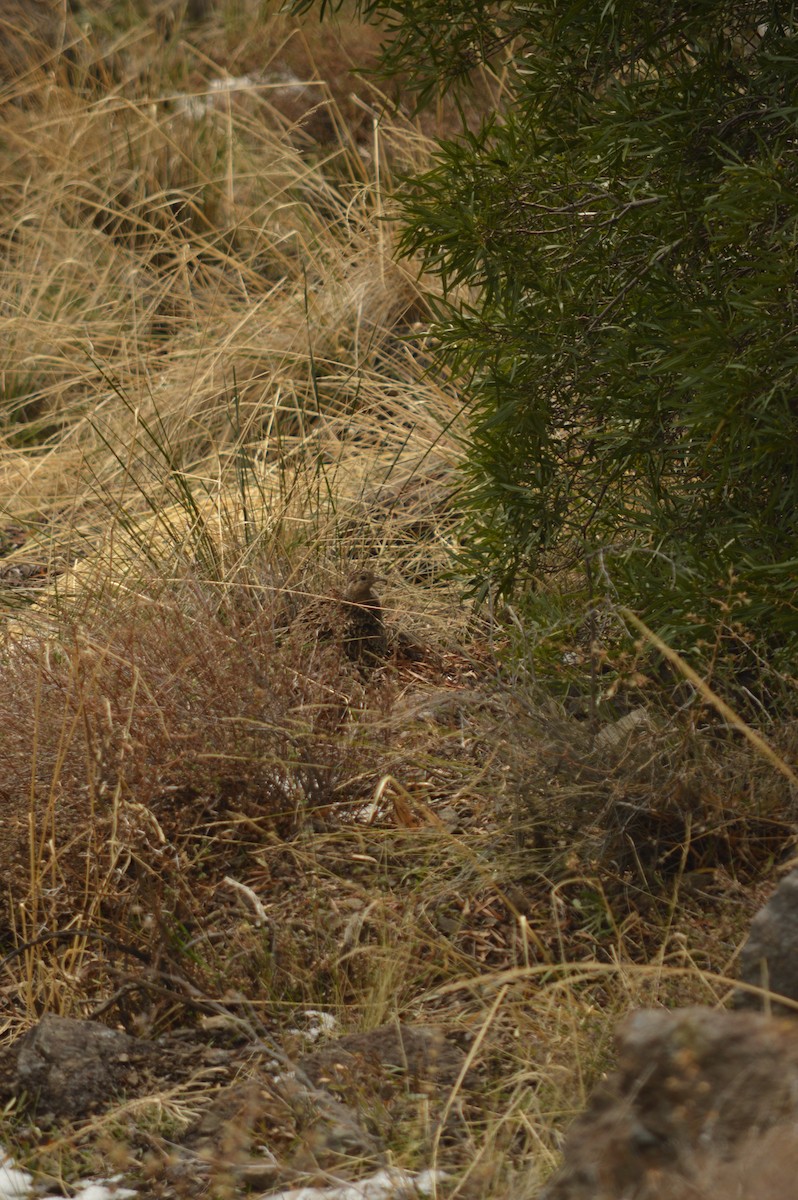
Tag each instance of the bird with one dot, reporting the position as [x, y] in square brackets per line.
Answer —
[350, 622]
[365, 641]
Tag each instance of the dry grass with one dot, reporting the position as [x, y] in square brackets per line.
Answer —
[212, 414]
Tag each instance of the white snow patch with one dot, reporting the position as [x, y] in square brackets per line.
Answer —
[14, 1183]
[102, 1191]
[384, 1185]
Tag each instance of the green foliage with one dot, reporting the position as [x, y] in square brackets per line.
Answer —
[434, 43]
[628, 230]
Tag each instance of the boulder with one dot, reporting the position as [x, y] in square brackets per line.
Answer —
[769, 958]
[69, 1068]
[702, 1106]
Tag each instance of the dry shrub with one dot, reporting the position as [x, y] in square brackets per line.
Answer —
[129, 748]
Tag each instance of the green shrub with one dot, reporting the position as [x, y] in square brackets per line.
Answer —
[618, 251]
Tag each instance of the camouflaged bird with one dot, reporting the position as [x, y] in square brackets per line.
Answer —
[352, 621]
[365, 641]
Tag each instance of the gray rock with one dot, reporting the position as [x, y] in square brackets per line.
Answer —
[69, 1068]
[769, 958]
[703, 1106]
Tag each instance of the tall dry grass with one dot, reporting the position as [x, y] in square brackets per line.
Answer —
[203, 319]
[211, 414]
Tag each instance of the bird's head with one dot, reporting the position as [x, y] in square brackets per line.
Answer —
[360, 587]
